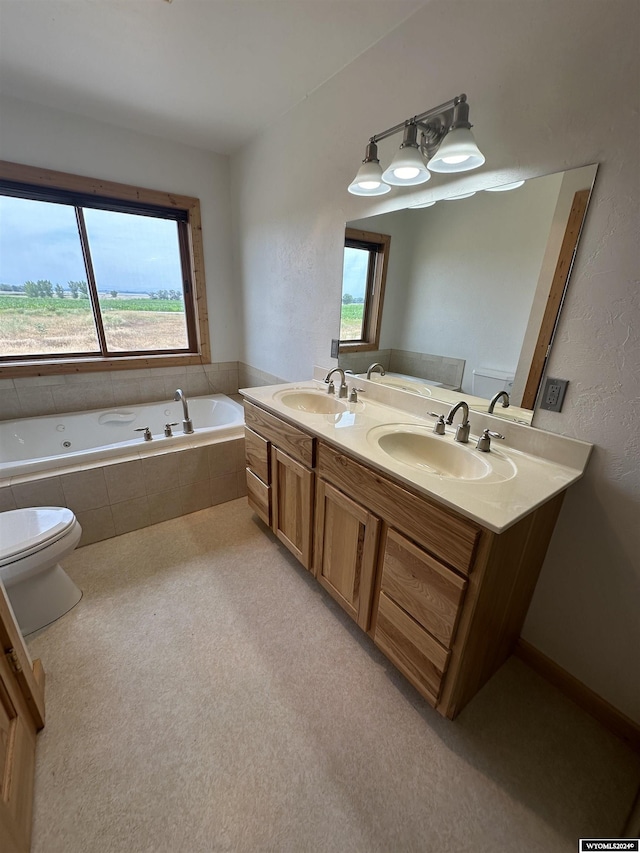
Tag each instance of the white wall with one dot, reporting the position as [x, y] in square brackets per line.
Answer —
[38, 136]
[551, 84]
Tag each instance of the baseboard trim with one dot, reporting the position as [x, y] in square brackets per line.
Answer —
[612, 719]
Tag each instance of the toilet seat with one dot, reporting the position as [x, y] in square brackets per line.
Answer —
[26, 531]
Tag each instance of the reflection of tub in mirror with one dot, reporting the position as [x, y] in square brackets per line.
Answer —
[402, 382]
[471, 281]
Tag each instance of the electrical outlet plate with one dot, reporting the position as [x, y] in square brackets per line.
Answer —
[335, 347]
[553, 394]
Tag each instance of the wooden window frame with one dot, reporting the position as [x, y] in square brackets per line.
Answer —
[378, 246]
[187, 211]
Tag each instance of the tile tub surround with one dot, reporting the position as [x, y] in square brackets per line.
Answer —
[438, 368]
[117, 497]
[32, 396]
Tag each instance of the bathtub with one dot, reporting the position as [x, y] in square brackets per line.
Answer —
[35, 445]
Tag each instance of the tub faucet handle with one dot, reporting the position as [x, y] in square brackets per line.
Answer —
[167, 429]
[147, 432]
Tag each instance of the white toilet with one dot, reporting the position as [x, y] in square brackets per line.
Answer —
[487, 381]
[32, 542]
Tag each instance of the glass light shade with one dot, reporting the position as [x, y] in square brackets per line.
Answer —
[368, 181]
[407, 168]
[504, 187]
[419, 206]
[458, 152]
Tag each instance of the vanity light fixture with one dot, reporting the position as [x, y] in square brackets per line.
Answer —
[420, 206]
[446, 145]
[460, 195]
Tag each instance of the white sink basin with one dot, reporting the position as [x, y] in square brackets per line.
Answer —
[313, 402]
[440, 454]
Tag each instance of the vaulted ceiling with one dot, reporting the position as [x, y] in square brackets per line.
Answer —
[202, 72]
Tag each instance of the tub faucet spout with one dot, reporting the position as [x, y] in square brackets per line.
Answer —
[376, 366]
[187, 426]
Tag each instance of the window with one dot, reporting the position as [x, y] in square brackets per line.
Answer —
[364, 274]
[94, 273]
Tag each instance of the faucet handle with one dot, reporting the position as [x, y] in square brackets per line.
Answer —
[353, 396]
[438, 427]
[331, 389]
[484, 442]
[147, 432]
[167, 429]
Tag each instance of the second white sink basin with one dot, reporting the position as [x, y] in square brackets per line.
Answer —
[439, 454]
[313, 402]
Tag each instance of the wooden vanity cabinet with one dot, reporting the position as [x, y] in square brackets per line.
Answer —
[280, 479]
[441, 596]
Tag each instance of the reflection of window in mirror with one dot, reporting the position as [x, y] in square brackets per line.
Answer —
[366, 256]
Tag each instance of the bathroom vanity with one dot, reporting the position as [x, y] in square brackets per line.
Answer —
[437, 561]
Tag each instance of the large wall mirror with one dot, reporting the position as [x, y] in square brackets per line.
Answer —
[474, 287]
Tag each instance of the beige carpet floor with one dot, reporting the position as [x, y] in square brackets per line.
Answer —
[206, 695]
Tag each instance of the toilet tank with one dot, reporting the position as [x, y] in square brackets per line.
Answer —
[487, 381]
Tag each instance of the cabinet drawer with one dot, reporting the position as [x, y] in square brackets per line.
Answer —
[427, 590]
[289, 438]
[259, 497]
[450, 537]
[420, 658]
[257, 454]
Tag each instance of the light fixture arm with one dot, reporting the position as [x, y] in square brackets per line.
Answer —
[445, 111]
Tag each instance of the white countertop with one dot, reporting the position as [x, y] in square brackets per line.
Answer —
[518, 483]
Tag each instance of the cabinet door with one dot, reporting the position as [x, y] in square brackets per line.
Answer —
[345, 551]
[21, 714]
[292, 507]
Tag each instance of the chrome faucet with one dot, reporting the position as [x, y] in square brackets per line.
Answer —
[377, 367]
[187, 426]
[342, 392]
[494, 400]
[462, 431]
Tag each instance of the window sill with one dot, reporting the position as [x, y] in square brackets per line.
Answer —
[8, 370]
[357, 346]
